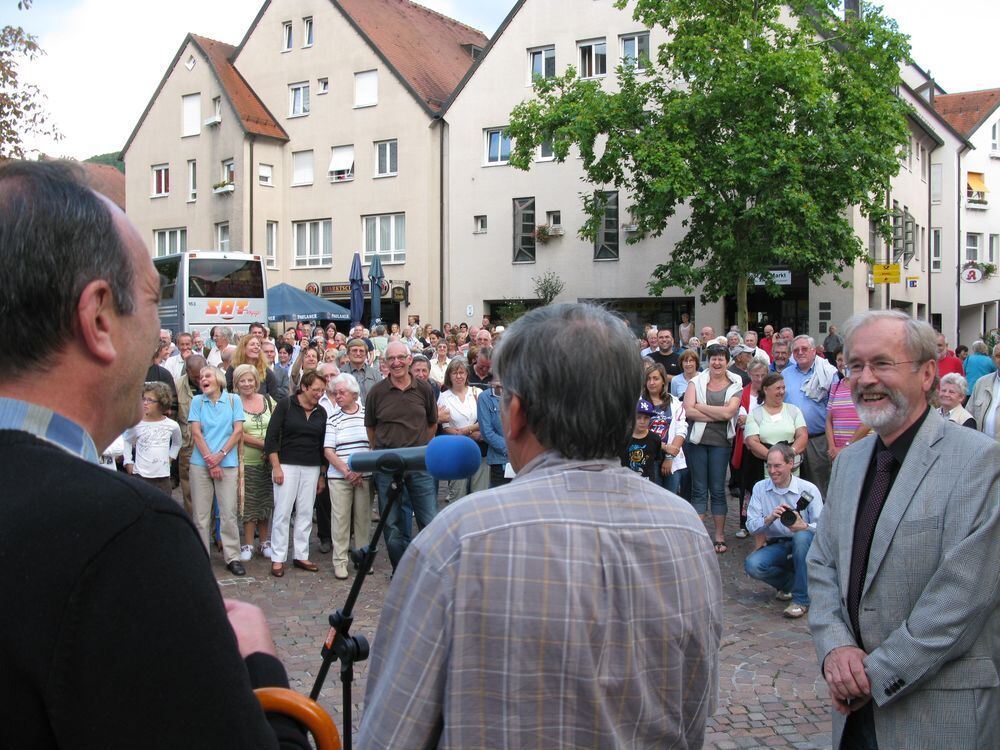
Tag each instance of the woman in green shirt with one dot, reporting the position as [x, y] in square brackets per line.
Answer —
[773, 421]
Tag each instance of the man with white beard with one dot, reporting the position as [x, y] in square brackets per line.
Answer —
[903, 571]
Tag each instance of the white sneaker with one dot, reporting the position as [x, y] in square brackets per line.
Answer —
[265, 549]
[246, 552]
[340, 571]
[783, 596]
[742, 534]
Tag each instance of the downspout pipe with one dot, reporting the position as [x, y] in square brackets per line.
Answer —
[251, 181]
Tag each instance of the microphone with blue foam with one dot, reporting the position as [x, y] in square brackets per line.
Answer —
[444, 457]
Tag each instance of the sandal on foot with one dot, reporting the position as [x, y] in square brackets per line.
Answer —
[721, 548]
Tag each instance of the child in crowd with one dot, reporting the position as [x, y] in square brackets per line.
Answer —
[155, 441]
[644, 451]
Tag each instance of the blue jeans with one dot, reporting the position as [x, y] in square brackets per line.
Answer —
[418, 499]
[708, 464]
[672, 482]
[783, 565]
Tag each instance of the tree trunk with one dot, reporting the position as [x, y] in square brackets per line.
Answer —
[741, 303]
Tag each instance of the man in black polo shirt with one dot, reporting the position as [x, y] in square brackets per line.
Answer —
[400, 412]
[666, 356]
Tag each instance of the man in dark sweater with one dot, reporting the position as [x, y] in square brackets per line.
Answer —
[667, 356]
[117, 636]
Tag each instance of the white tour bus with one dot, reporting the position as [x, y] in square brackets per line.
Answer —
[204, 288]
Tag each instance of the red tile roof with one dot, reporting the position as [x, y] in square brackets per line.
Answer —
[106, 180]
[423, 46]
[968, 110]
[250, 109]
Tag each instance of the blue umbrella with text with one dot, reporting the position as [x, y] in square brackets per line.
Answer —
[357, 290]
[375, 277]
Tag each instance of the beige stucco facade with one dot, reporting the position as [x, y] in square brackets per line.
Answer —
[481, 266]
[411, 196]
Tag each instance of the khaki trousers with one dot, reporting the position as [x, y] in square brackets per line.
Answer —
[203, 488]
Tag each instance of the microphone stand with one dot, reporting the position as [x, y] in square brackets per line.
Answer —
[340, 644]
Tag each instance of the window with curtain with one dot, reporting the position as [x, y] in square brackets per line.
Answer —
[385, 236]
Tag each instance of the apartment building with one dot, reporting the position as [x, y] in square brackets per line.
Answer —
[976, 114]
[316, 137]
[494, 250]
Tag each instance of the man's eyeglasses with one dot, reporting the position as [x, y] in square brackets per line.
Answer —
[397, 358]
[878, 367]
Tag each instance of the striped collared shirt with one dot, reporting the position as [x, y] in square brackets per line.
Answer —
[48, 426]
[578, 606]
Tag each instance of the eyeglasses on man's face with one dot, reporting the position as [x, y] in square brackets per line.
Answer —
[878, 367]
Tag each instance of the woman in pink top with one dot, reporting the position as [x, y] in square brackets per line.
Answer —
[843, 426]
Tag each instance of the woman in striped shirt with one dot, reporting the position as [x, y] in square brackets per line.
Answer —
[349, 490]
[843, 426]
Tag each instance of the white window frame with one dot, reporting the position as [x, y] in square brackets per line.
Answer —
[636, 38]
[287, 36]
[975, 198]
[389, 256]
[265, 174]
[390, 148]
[339, 157]
[365, 88]
[298, 99]
[936, 250]
[160, 185]
[217, 106]
[488, 134]
[174, 241]
[995, 138]
[543, 55]
[271, 243]
[298, 172]
[190, 115]
[479, 224]
[192, 178]
[605, 250]
[322, 86]
[540, 152]
[972, 249]
[588, 58]
[993, 245]
[937, 182]
[228, 173]
[313, 231]
[308, 29]
[554, 219]
[222, 237]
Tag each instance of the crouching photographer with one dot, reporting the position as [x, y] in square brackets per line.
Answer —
[782, 515]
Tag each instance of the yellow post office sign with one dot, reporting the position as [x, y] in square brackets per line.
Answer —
[886, 273]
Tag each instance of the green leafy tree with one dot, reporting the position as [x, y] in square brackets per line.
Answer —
[21, 104]
[111, 159]
[765, 119]
[548, 286]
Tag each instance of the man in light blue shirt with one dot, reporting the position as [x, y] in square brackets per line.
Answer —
[807, 385]
[781, 562]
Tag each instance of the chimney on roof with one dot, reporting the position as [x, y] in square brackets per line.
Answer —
[852, 9]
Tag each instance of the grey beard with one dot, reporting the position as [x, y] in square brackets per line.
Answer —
[881, 420]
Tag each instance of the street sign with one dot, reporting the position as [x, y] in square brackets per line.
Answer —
[911, 281]
[887, 273]
[780, 277]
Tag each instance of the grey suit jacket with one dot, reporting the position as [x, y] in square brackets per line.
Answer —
[980, 400]
[281, 378]
[928, 611]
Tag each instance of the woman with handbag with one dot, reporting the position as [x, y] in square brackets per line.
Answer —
[294, 447]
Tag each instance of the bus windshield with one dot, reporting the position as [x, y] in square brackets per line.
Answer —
[225, 278]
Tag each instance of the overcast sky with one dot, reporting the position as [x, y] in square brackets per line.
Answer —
[105, 57]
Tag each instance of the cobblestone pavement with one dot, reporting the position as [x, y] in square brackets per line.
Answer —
[771, 694]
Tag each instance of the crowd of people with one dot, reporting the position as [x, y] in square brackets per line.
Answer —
[261, 432]
[257, 428]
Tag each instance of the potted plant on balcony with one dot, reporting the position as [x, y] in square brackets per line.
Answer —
[223, 186]
[543, 233]
[986, 269]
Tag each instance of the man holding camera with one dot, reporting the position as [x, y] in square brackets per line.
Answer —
[782, 513]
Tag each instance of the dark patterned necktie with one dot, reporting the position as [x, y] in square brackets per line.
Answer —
[864, 532]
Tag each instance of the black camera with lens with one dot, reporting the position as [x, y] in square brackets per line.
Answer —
[788, 516]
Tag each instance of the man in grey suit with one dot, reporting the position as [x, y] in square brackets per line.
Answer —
[904, 572]
[280, 376]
